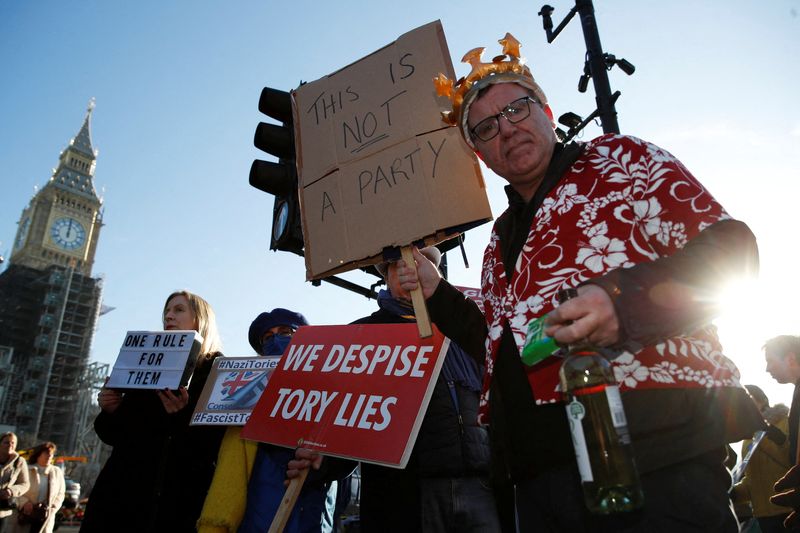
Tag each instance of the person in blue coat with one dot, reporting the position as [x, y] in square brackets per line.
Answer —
[248, 503]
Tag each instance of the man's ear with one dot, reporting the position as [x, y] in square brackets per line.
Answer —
[549, 113]
[793, 362]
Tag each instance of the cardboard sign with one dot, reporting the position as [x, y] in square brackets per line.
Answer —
[155, 360]
[233, 388]
[356, 391]
[376, 167]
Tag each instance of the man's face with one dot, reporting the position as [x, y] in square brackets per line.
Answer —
[520, 152]
[783, 368]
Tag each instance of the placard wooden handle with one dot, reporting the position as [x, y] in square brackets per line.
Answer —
[287, 503]
[420, 309]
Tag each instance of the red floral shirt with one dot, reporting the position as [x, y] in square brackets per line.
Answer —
[623, 202]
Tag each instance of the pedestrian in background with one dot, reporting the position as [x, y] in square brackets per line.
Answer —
[13, 478]
[37, 508]
[782, 354]
[768, 461]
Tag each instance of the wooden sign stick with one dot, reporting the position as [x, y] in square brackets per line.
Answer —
[287, 503]
[420, 309]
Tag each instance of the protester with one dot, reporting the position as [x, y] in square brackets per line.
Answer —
[38, 506]
[782, 354]
[13, 477]
[768, 461]
[160, 468]
[444, 487]
[248, 483]
[647, 246]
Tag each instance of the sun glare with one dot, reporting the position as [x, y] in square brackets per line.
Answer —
[751, 314]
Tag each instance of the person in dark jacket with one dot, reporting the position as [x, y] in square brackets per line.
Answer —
[646, 246]
[444, 487]
[160, 468]
[782, 354]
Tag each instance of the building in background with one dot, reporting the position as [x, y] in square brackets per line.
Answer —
[49, 305]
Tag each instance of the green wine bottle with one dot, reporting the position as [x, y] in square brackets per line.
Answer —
[599, 429]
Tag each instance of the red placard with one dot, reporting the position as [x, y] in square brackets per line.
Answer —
[357, 391]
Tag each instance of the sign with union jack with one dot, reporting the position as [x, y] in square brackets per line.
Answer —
[232, 390]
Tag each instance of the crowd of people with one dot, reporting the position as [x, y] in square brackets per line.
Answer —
[618, 218]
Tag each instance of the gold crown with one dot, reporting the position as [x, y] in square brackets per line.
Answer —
[455, 91]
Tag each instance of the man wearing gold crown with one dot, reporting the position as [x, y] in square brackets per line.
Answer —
[647, 246]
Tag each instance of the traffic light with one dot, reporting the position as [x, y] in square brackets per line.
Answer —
[279, 178]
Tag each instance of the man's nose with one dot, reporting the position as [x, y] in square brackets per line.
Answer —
[506, 127]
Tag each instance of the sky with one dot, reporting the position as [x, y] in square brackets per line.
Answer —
[177, 86]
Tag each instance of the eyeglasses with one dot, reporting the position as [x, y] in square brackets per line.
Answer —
[517, 111]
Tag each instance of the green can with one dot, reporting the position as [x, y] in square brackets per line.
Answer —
[538, 346]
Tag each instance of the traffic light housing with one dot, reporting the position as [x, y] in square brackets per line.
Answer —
[279, 179]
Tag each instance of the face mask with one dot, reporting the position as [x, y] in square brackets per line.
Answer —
[275, 345]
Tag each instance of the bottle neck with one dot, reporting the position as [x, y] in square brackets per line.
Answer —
[581, 348]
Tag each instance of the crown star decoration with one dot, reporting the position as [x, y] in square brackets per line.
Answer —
[508, 61]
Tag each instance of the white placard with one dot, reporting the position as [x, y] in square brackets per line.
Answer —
[155, 359]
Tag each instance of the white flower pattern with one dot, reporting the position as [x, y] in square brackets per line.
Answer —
[623, 202]
[602, 254]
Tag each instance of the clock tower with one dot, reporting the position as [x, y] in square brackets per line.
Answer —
[62, 222]
[49, 304]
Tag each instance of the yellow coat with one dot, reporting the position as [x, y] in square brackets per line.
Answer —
[768, 463]
[225, 503]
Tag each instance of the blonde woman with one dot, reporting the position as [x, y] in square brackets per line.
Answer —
[160, 468]
[37, 508]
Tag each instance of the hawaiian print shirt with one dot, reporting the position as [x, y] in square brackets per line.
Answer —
[623, 202]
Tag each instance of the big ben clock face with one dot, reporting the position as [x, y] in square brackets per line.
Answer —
[67, 233]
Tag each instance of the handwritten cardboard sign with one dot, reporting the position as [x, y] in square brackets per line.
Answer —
[155, 359]
[376, 167]
[356, 391]
[233, 388]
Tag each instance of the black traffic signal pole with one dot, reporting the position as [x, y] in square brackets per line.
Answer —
[596, 66]
[280, 180]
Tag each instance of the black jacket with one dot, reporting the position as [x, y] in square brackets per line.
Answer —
[449, 444]
[158, 474]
